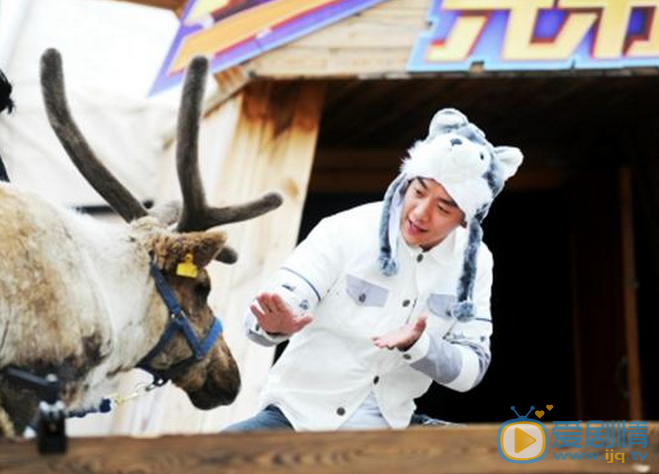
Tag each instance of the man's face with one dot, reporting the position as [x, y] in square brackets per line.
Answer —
[429, 213]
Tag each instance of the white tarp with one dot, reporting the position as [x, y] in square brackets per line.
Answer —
[111, 52]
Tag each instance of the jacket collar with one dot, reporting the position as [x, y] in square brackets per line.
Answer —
[442, 252]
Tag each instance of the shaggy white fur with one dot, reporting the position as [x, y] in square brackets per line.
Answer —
[74, 289]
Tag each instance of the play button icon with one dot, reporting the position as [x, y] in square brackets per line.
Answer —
[522, 440]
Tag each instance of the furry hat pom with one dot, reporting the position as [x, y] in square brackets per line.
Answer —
[463, 311]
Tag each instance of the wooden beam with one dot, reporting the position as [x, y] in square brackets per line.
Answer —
[470, 449]
[351, 181]
[370, 171]
[229, 83]
[357, 158]
[371, 181]
[377, 41]
[629, 295]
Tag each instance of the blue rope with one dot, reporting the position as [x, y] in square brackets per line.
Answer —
[179, 323]
[104, 407]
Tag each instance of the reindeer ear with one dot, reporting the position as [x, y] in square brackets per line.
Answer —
[172, 249]
[205, 246]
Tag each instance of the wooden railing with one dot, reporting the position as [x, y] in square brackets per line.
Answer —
[471, 449]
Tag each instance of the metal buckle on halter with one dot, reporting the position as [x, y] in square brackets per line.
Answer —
[181, 313]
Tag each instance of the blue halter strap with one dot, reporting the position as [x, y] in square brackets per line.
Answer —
[178, 323]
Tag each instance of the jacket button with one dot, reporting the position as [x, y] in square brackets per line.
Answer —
[340, 411]
[362, 297]
[407, 356]
[376, 379]
[406, 303]
[419, 257]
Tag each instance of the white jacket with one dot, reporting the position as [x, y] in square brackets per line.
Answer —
[331, 366]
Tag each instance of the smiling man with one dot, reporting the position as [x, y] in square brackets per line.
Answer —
[381, 300]
[429, 214]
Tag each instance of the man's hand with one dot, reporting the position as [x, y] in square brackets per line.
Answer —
[275, 317]
[402, 338]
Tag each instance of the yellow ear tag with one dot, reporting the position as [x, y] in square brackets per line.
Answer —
[187, 268]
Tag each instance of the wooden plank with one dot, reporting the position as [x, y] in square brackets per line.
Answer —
[629, 291]
[300, 63]
[229, 83]
[376, 41]
[470, 449]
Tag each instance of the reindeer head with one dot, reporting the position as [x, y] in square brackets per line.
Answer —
[181, 258]
[181, 254]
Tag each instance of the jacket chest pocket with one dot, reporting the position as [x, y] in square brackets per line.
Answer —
[440, 320]
[441, 305]
[364, 293]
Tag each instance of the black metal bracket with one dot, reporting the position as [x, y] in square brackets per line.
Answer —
[51, 420]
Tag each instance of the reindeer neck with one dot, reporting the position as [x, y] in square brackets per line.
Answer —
[134, 309]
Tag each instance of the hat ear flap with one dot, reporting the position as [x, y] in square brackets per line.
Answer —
[508, 160]
[464, 310]
[386, 261]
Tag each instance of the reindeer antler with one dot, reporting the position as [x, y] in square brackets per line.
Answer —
[59, 116]
[196, 214]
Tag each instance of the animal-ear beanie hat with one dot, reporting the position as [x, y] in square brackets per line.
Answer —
[455, 154]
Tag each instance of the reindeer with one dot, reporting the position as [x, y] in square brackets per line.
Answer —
[87, 300]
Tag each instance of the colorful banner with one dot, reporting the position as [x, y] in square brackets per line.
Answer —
[538, 35]
[229, 32]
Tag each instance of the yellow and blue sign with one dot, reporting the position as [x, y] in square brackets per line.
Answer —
[538, 35]
[229, 32]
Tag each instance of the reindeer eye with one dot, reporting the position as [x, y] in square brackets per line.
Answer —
[201, 291]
